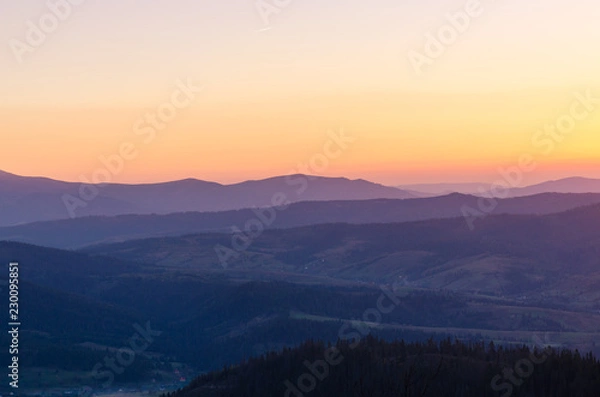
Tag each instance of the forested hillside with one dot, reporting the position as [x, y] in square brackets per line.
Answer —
[375, 368]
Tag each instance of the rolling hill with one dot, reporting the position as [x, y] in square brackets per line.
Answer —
[508, 255]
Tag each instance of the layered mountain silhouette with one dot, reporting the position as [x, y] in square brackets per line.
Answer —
[514, 277]
[80, 232]
[33, 199]
[30, 199]
[506, 255]
[567, 185]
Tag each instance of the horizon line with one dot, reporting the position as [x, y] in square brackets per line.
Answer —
[400, 185]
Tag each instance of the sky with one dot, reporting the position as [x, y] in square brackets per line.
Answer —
[424, 91]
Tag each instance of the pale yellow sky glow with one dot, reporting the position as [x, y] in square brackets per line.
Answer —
[271, 96]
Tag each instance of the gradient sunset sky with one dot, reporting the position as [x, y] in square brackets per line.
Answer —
[273, 91]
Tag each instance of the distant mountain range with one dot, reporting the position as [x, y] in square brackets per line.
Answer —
[567, 185]
[437, 189]
[29, 199]
[80, 232]
[34, 199]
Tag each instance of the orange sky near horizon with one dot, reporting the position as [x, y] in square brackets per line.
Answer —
[271, 97]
